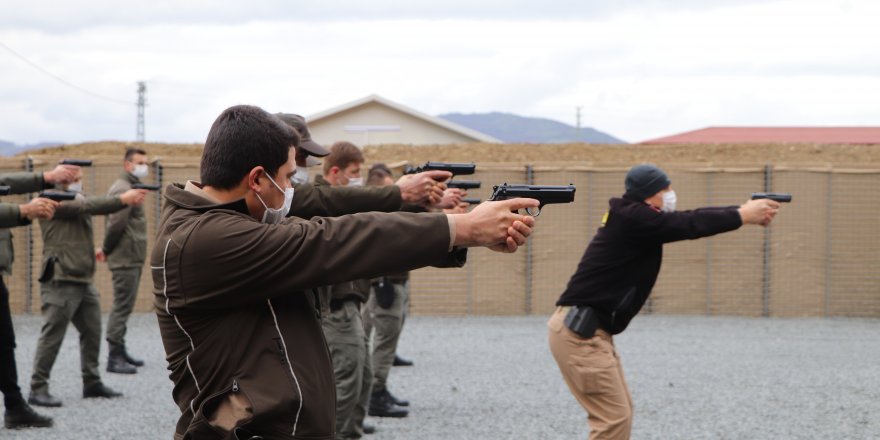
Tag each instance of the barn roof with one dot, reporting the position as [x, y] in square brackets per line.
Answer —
[464, 131]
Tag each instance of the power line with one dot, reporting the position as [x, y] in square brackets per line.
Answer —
[63, 81]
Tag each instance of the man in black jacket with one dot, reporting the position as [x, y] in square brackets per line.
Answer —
[613, 281]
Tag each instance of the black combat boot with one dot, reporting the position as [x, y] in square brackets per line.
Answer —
[131, 360]
[98, 389]
[116, 362]
[382, 406]
[395, 400]
[22, 415]
[43, 398]
[401, 362]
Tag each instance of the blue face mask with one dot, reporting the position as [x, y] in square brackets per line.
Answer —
[276, 215]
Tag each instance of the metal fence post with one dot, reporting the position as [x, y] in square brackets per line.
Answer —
[828, 241]
[765, 297]
[158, 170]
[530, 180]
[29, 252]
[589, 198]
[709, 176]
[470, 288]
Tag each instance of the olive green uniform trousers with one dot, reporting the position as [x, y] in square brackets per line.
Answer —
[125, 289]
[344, 331]
[387, 324]
[64, 303]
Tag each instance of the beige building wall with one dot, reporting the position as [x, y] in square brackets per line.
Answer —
[375, 124]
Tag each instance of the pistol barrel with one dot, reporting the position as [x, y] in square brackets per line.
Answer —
[777, 197]
[464, 184]
[77, 162]
[58, 196]
[457, 169]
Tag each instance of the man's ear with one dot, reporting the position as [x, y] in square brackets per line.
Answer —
[253, 178]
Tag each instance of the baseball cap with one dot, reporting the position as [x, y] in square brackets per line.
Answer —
[299, 124]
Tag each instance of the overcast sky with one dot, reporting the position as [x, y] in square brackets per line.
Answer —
[638, 68]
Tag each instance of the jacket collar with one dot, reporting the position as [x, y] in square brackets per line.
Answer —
[130, 178]
[632, 198]
[176, 194]
[321, 181]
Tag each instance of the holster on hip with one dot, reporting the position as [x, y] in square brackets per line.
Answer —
[384, 293]
[48, 270]
[582, 320]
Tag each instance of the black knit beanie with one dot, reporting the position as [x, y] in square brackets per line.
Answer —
[645, 180]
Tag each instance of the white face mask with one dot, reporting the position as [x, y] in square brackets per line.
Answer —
[276, 215]
[668, 201]
[75, 187]
[355, 181]
[301, 175]
[140, 171]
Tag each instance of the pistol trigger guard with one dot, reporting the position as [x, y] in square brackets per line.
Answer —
[534, 214]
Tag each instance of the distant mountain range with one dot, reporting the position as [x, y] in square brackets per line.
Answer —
[11, 149]
[519, 129]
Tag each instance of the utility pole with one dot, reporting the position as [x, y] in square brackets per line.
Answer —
[578, 124]
[141, 103]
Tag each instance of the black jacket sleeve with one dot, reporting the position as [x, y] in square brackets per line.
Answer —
[646, 223]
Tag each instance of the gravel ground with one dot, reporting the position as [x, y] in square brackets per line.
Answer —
[691, 377]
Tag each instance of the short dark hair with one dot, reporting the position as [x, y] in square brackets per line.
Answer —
[131, 151]
[341, 155]
[244, 137]
[378, 173]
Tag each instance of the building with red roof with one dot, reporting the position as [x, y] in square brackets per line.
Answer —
[774, 135]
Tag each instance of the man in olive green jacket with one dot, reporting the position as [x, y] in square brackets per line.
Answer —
[22, 183]
[18, 413]
[125, 250]
[67, 292]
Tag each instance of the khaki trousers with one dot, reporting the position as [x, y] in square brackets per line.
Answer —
[592, 370]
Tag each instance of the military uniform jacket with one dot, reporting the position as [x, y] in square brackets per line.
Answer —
[236, 314]
[10, 215]
[125, 241]
[68, 241]
[323, 200]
